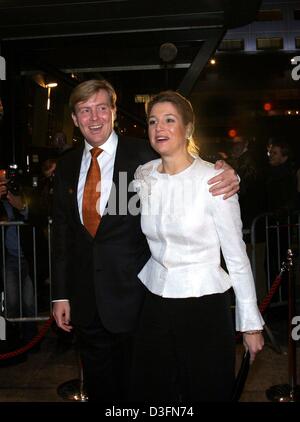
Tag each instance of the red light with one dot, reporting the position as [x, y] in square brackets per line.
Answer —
[232, 133]
[267, 106]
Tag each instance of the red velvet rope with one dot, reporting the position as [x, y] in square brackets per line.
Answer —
[31, 344]
[267, 299]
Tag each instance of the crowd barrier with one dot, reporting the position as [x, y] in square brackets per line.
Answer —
[33, 258]
[271, 235]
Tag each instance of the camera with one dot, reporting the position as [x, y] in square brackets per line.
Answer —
[11, 176]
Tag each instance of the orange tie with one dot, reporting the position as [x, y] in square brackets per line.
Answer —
[91, 195]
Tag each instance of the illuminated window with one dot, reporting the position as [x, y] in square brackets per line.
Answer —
[142, 98]
[275, 43]
[231, 45]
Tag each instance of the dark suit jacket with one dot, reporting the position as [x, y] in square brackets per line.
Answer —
[100, 274]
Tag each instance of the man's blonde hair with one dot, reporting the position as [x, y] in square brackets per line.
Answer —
[85, 90]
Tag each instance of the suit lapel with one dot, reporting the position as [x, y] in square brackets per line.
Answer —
[73, 183]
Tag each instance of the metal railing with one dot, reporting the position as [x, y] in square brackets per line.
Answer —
[272, 235]
[39, 289]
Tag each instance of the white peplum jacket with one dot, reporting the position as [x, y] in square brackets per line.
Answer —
[186, 228]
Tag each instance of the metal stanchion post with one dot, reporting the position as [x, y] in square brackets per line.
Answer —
[288, 392]
[73, 390]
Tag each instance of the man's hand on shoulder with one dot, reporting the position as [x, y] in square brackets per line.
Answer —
[226, 183]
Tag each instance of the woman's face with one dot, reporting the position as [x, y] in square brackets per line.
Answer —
[166, 130]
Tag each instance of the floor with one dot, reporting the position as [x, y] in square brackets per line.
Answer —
[39, 377]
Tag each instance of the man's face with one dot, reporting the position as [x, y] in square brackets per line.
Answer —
[238, 147]
[95, 118]
[276, 157]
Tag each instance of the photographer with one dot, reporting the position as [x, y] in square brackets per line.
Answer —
[14, 208]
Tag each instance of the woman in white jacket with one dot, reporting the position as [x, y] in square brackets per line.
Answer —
[185, 343]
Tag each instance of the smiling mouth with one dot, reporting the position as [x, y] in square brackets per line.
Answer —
[95, 128]
[161, 139]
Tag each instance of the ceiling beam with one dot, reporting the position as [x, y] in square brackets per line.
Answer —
[205, 52]
[44, 18]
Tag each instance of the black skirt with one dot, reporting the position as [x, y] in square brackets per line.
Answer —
[184, 350]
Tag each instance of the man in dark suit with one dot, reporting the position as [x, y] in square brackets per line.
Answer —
[95, 282]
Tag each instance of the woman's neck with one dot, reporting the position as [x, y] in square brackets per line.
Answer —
[173, 165]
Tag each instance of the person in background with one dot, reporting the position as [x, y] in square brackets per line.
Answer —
[281, 201]
[17, 259]
[251, 187]
[60, 144]
[97, 251]
[185, 342]
[41, 201]
[281, 190]
[45, 190]
[251, 200]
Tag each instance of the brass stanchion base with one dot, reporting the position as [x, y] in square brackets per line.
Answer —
[283, 393]
[72, 390]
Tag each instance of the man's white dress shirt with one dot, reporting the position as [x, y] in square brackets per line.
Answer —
[106, 162]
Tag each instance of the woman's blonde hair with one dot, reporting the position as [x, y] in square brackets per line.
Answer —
[184, 108]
